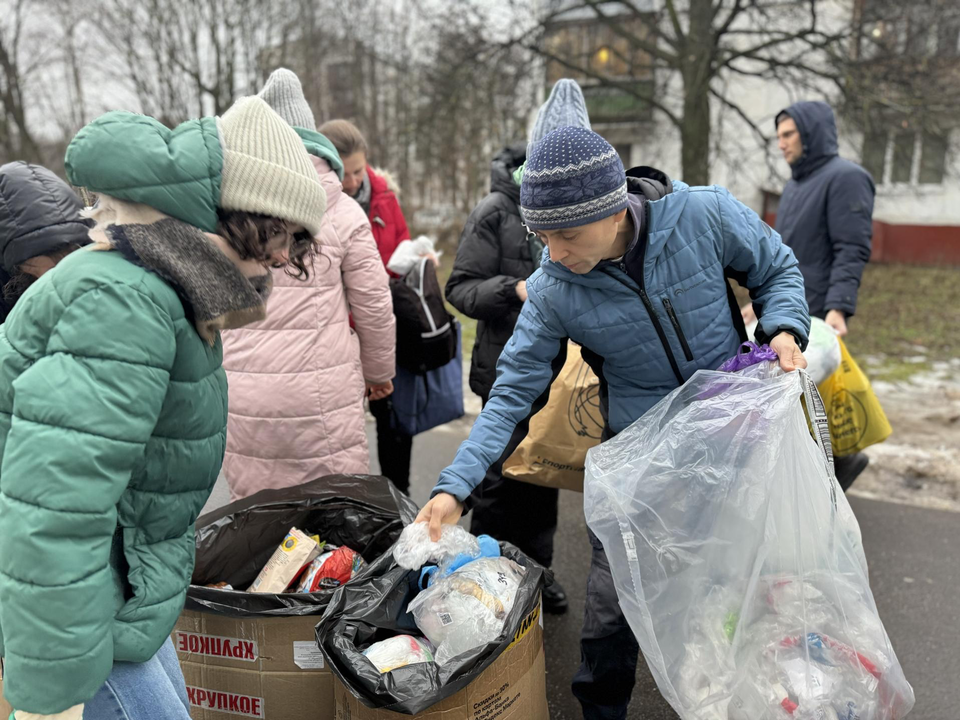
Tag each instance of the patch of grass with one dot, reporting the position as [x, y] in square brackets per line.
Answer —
[895, 370]
[903, 311]
[907, 310]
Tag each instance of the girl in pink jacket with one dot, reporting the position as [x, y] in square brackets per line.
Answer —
[297, 381]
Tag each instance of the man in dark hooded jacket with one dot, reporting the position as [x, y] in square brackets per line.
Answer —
[826, 211]
[825, 216]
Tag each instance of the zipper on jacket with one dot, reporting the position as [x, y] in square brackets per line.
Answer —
[671, 313]
[654, 318]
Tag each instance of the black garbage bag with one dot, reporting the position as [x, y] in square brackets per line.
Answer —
[374, 608]
[363, 512]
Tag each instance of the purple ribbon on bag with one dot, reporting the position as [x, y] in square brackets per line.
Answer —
[749, 354]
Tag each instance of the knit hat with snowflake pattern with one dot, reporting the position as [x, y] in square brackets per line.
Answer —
[573, 177]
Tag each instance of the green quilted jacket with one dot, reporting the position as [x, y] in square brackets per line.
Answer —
[112, 435]
[113, 416]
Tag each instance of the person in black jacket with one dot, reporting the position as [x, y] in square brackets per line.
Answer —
[495, 257]
[826, 217]
[40, 224]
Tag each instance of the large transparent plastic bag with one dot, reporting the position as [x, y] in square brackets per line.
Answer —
[737, 560]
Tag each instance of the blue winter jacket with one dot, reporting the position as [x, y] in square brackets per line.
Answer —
[826, 213]
[647, 333]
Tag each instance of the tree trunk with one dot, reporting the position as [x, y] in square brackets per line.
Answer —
[26, 147]
[697, 72]
[695, 134]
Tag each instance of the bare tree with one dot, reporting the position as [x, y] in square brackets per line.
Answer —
[474, 99]
[903, 88]
[684, 50]
[17, 141]
[433, 95]
[184, 59]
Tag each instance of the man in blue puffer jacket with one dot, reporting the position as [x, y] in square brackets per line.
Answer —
[635, 271]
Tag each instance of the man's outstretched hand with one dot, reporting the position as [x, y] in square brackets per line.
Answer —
[443, 509]
[838, 321]
[786, 348]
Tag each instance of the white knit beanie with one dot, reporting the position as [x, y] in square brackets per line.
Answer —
[284, 93]
[266, 169]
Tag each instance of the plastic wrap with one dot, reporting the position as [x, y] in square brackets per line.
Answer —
[737, 560]
[399, 651]
[823, 351]
[467, 608]
[364, 512]
[374, 607]
[409, 252]
[415, 549]
[749, 354]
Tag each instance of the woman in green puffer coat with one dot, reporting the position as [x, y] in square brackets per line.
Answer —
[113, 404]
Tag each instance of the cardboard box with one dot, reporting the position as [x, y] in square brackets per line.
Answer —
[5, 708]
[512, 688]
[267, 668]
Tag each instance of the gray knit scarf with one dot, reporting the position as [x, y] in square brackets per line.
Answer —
[215, 294]
[364, 193]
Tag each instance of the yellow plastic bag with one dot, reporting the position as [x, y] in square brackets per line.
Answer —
[554, 451]
[856, 419]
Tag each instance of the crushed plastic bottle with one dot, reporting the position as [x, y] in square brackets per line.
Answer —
[805, 649]
[467, 608]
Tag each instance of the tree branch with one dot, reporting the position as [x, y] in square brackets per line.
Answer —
[675, 21]
[792, 64]
[735, 11]
[803, 35]
[761, 136]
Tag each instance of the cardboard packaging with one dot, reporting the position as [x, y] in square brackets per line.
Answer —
[554, 452]
[267, 668]
[295, 553]
[512, 688]
[271, 668]
[5, 708]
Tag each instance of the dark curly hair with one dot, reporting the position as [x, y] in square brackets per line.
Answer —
[250, 234]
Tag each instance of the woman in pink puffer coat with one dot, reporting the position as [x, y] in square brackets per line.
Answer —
[297, 380]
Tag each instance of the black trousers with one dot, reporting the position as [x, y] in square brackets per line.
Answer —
[608, 650]
[518, 512]
[393, 446]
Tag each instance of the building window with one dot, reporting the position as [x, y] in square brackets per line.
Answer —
[921, 38]
[917, 28]
[930, 169]
[904, 144]
[874, 155]
[588, 47]
[933, 158]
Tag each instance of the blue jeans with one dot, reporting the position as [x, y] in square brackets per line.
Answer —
[608, 650]
[153, 690]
